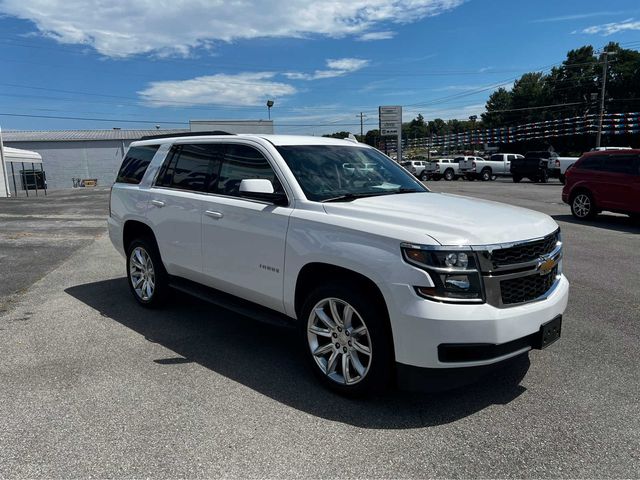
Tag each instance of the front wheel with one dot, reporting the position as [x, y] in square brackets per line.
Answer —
[146, 275]
[347, 339]
[583, 206]
[486, 175]
[424, 177]
[449, 175]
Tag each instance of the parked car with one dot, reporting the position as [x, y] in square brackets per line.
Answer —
[604, 180]
[447, 168]
[383, 278]
[419, 168]
[534, 166]
[499, 164]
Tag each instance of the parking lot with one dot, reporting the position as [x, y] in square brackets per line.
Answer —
[92, 385]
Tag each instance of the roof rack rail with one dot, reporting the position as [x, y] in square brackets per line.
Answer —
[185, 134]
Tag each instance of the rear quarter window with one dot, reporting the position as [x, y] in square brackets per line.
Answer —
[135, 163]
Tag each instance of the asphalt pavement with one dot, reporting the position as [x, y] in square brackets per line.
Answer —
[92, 385]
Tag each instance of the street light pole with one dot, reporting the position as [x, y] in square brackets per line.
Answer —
[605, 67]
[269, 105]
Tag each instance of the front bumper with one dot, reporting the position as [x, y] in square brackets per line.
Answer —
[420, 326]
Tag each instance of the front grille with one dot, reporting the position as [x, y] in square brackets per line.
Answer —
[525, 252]
[525, 289]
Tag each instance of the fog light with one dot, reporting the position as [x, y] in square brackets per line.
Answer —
[457, 282]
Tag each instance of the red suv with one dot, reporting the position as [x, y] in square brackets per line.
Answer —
[605, 180]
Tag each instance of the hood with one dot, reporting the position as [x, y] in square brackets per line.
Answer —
[447, 219]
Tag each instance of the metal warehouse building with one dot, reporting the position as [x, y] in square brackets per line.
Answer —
[97, 154]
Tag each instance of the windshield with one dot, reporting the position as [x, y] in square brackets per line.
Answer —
[327, 172]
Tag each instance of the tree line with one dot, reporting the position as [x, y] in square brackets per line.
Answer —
[570, 89]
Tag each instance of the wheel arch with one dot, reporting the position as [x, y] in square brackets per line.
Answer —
[133, 229]
[317, 273]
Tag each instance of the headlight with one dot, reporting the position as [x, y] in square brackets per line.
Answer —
[454, 274]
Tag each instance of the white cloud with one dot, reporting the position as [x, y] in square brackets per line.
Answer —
[118, 28]
[238, 90]
[371, 36]
[577, 16]
[611, 28]
[336, 68]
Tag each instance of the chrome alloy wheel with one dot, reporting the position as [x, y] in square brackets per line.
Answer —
[582, 205]
[339, 341]
[141, 274]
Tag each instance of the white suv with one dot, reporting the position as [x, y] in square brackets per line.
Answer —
[385, 279]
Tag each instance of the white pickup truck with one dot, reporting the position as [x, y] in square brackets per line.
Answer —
[478, 168]
[384, 279]
[560, 166]
[447, 168]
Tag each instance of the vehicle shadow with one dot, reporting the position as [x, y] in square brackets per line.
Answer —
[610, 222]
[269, 360]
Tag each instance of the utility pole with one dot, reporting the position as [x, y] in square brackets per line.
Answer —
[362, 117]
[605, 67]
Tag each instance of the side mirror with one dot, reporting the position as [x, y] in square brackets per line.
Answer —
[256, 185]
[261, 189]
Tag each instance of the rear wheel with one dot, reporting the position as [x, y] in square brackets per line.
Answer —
[347, 339]
[583, 206]
[516, 178]
[146, 275]
[562, 179]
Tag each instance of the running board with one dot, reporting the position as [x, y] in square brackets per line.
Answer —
[231, 302]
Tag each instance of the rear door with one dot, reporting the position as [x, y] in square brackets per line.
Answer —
[244, 239]
[619, 181]
[177, 201]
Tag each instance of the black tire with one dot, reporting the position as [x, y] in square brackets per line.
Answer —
[516, 179]
[583, 206]
[374, 316]
[424, 177]
[562, 179]
[161, 288]
[544, 177]
[485, 175]
[449, 175]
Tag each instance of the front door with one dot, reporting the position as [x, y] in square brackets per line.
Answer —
[244, 240]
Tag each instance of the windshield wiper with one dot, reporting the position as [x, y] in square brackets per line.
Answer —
[348, 197]
[407, 190]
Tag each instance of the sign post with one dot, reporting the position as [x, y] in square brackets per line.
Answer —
[390, 119]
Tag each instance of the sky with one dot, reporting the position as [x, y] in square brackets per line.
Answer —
[141, 63]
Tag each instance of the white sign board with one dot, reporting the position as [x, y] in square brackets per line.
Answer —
[390, 121]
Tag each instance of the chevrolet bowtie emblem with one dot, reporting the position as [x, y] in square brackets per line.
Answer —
[545, 266]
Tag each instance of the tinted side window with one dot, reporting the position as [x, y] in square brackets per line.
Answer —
[135, 163]
[621, 164]
[511, 158]
[240, 162]
[192, 167]
[458, 159]
[593, 162]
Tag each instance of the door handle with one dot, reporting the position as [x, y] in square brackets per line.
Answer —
[213, 214]
[158, 203]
